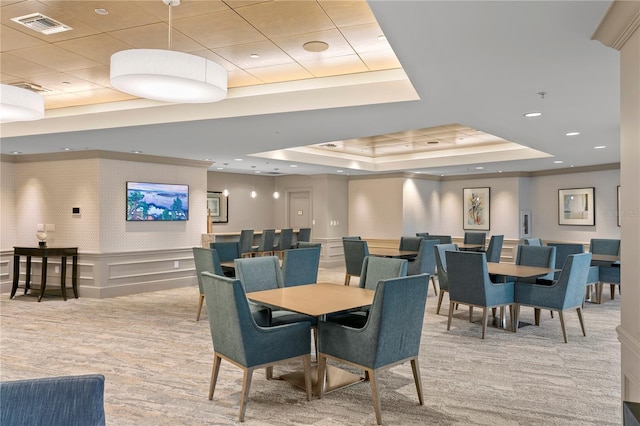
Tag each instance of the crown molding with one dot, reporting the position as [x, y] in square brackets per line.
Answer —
[619, 22]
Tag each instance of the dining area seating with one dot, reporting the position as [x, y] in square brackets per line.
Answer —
[608, 271]
[355, 250]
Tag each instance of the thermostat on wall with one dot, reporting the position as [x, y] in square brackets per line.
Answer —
[75, 210]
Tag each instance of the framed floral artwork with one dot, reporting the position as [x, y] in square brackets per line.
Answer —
[476, 202]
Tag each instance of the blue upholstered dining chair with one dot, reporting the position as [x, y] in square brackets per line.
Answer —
[410, 243]
[53, 401]
[563, 250]
[228, 251]
[542, 256]
[495, 248]
[239, 340]
[264, 273]
[304, 235]
[469, 284]
[390, 336]
[565, 293]
[441, 268]
[424, 235]
[307, 244]
[284, 242]
[205, 260]
[475, 238]
[374, 269]
[425, 261]
[246, 242]
[266, 243]
[444, 239]
[609, 272]
[300, 266]
[532, 242]
[354, 253]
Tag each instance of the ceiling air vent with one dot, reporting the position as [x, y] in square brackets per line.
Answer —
[31, 86]
[41, 23]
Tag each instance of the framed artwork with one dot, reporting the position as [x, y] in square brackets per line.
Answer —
[476, 204]
[525, 224]
[576, 206]
[618, 211]
[218, 207]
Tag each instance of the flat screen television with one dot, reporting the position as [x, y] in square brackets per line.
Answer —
[157, 201]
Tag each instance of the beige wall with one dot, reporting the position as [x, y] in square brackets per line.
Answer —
[376, 207]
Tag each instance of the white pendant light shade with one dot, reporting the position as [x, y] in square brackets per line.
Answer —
[168, 76]
[17, 104]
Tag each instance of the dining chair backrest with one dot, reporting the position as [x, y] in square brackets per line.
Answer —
[266, 240]
[475, 238]
[532, 242]
[410, 243]
[495, 248]
[425, 261]
[568, 291]
[375, 269]
[424, 235]
[259, 273]
[246, 241]
[354, 253]
[307, 244]
[542, 256]
[206, 260]
[468, 277]
[300, 266]
[444, 239]
[563, 250]
[441, 263]
[285, 239]
[227, 251]
[352, 238]
[304, 234]
[605, 246]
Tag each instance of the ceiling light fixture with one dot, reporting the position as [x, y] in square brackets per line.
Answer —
[225, 191]
[572, 133]
[17, 104]
[533, 114]
[600, 147]
[167, 75]
[315, 46]
[254, 56]
[558, 162]
[276, 194]
[254, 194]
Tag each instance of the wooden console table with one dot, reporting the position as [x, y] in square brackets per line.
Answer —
[44, 253]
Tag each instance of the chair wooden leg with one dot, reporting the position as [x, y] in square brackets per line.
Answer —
[269, 372]
[214, 375]
[470, 313]
[516, 320]
[322, 368]
[376, 395]
[564, 331]
[306, 360]
[440, 296]
[599, 286]
[511, 315]
[347, 279]
[612, 289]
[551, 312]
[246, 384]
[536, 315]
[485, 317]
[200, 302]
[584, 333]
[450, 315]
[433, 281]
[415, 367]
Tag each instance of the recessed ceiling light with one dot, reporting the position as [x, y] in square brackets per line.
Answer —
[293, 165]
[238, 159]
[558, 162]
[219, 168]
[572, 133]
[256, 171]
[315, 46]
[499, 171]
[254, 56]
[339, 171]
[101, 11]
[137, 152]
[67, 149]
[15, 152]
[479, 168]
[600, 147]
[533, 114]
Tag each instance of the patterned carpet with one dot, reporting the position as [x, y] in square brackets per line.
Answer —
[157, 363]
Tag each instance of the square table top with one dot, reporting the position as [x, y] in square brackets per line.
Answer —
[390, 252]
[519, 271]
[315, 299]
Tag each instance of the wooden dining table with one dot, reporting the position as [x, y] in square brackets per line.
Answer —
[317, 300]
[469, 247]
[391, 252]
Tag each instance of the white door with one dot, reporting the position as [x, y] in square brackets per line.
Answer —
[300, 209]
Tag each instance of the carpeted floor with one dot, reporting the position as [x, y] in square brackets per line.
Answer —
[157, 364]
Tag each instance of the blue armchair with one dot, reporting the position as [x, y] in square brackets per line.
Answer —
[410, 243]
[425, 261]
[444, 239]
[479, 238]
[424, 235]
[228, 251]
[284, 242]
[563, 250]
[608, 272]
[205, 260]
[304, 235]
[300, 266]
[495, 248]
[354, 253]
[238, 339]
[53, 401]
[566, 293]
[542, 256]
[441, 269]
[469, 284]
[390, 336]
[532, 242]
[266, 243]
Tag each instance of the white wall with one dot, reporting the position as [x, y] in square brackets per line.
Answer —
[7, 206]
[544, 206]
[421, 211]
[376, 207]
